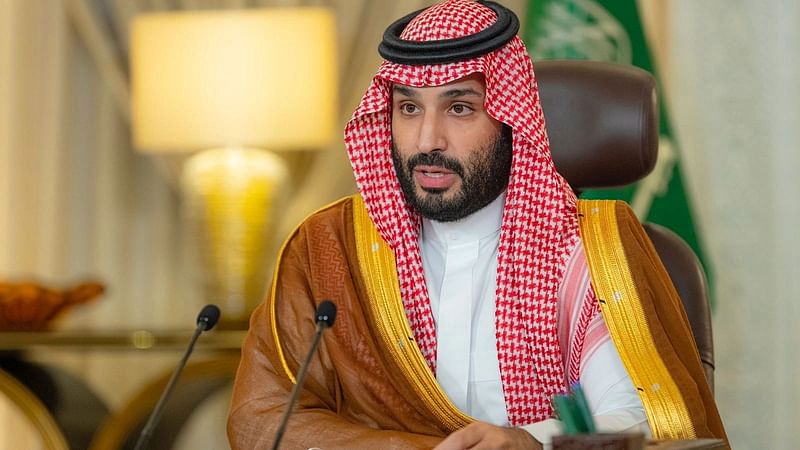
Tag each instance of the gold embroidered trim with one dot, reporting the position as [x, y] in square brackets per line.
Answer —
[380, 277]
[622, 310]
[271, 299]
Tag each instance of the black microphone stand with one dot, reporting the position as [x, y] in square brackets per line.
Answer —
[326, 314]
[203, 323]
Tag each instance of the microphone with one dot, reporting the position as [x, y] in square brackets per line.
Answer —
[206, 320]
[325, 316]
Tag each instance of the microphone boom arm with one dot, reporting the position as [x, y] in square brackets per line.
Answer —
[205, 321]
[298, 384]
[325, 317]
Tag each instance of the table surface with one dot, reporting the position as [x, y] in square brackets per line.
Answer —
[113, 340]
[690, 444]
[602, 440]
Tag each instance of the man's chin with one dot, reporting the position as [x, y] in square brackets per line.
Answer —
[438, 192]
[436, 195]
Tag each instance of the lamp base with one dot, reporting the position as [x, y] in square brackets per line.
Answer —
[230, 195]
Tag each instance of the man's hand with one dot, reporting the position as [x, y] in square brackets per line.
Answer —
[481, 435]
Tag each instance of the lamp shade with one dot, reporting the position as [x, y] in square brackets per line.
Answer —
[261, 78]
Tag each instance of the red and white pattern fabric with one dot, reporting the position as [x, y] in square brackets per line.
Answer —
[581, 328]
[539, 227]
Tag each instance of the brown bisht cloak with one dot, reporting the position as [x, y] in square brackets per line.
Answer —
[369, 385]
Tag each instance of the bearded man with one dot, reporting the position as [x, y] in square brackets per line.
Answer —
[466, 273]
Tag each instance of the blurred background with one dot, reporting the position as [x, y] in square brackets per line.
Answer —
[81, 206]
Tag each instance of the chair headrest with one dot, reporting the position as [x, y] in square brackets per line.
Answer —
[602, 121]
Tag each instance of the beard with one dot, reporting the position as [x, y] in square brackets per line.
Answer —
[484, 176]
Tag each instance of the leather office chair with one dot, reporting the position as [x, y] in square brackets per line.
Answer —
[602, 120]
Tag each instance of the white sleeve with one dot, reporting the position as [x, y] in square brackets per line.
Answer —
[612, 399]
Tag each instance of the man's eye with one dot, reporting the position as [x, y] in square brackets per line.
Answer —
[461, 109]
[408, 108]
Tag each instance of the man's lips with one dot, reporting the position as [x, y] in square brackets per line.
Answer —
[434, 177]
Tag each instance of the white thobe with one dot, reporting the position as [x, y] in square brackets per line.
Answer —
[460, 264]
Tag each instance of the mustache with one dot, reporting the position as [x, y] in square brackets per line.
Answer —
[436, 159]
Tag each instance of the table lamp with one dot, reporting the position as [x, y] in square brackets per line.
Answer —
[231, 87]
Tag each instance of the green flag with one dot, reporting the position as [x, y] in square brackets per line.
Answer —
[610, 30]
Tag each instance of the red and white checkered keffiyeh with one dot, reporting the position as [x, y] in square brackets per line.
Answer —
[539, 227]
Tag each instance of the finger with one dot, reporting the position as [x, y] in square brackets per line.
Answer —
[462, 439]
[497, 438]
[488, 438]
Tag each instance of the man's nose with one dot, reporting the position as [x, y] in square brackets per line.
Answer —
[432, 136]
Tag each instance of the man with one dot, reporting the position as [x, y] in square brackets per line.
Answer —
[462, 274]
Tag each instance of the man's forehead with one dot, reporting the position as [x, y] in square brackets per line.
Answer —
[475, 82]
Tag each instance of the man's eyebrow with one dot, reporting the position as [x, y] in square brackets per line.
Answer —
[403, 90]
[454, 93]
[450, 93]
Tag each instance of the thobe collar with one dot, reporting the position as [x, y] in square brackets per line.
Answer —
[479, 225]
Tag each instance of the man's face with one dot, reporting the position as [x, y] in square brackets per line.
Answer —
[450, 156]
